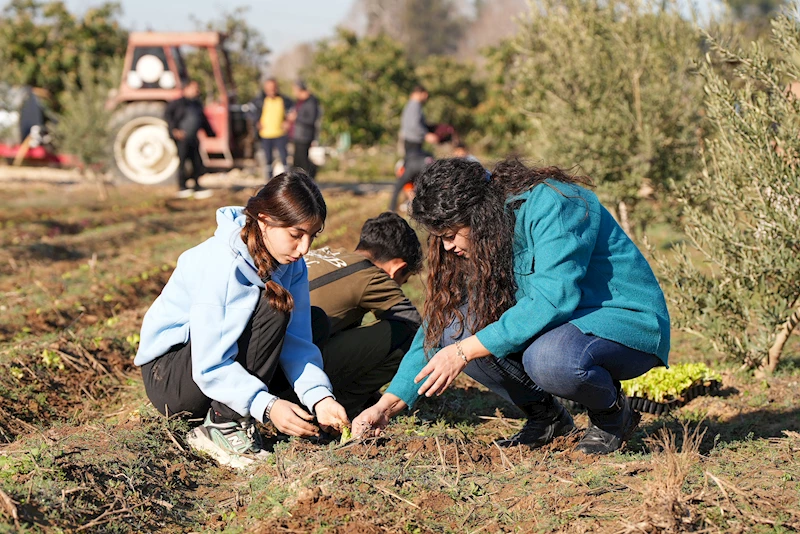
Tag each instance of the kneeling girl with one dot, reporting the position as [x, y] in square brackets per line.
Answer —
[234, 310]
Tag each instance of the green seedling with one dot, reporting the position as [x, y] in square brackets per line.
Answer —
[16, 372]
[133, 340]
[347, 434]
[51, 360]
[662, 384]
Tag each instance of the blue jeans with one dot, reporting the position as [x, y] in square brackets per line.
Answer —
[584, 368]
[563, 362]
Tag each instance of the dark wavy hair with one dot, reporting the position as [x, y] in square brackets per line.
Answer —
[389, 236]
[455, 193]
[289, 199]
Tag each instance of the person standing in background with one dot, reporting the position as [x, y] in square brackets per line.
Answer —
[272, 110]
[414, 131]
[185, 118]
[303, 130]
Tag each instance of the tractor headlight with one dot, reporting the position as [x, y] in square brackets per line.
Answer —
[134, 80]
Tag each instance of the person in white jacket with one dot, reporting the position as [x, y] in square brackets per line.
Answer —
[235, 309]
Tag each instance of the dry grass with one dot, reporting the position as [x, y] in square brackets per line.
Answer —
[672, 505]
[666, 507]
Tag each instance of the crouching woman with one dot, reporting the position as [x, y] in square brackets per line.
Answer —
[532, 283]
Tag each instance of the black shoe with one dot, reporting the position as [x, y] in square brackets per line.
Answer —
[546, 421]
[609, 429]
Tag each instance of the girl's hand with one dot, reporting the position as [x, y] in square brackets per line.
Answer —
[370, 422]
[331, 414]
[291, 419]
[443, 368]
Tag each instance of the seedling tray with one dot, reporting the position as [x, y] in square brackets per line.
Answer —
[641, 404]
[645, 405]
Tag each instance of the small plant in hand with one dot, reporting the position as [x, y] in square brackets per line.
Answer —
[664, 385]
[347, 434]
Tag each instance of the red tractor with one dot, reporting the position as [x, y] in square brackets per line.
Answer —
[154, 73]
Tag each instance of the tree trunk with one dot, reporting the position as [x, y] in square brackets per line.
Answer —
[102, 190]
[780, 340]
[624, 219]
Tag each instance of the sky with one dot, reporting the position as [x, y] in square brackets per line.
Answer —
[284, 23]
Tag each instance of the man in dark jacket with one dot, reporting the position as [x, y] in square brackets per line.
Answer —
[304, 119]
[185, 118]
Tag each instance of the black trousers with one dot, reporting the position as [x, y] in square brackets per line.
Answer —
[300, 158]
[189, 152]
[358, 361]
[168, 379]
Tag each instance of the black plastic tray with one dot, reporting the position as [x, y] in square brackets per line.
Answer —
[641, 404]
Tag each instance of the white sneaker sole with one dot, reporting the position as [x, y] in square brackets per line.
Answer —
[199, 442]
[201, 195]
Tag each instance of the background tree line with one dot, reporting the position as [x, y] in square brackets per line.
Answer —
[695, 127]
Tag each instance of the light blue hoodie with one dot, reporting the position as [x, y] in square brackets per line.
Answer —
[209, 300]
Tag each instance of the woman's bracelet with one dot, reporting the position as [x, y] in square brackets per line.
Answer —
[268, 409]
[461, 352]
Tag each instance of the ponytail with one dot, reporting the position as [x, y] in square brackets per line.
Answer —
[288, 199]
[279, 297]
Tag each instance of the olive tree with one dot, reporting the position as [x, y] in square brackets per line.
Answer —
[608, 85]
[83, 125]
[737, 284]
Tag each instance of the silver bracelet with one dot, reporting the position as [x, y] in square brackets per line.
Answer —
[461, 352]
[268, 409]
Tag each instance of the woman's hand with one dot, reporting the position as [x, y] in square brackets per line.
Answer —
[331, 414]
[447, 364]
[370, 422]
[291, 419]
[443, 368]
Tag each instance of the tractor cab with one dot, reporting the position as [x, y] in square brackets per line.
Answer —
[155, 73]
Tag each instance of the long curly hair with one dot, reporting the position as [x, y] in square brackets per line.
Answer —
[289, 199]
[455, 193]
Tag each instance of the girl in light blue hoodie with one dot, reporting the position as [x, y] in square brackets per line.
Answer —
[235, 309]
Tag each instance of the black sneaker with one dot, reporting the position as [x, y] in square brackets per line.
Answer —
[546, 421]
[609, 429]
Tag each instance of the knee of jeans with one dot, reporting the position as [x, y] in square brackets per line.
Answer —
[552, 372]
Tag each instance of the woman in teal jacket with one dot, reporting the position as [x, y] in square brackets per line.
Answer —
[534, 290]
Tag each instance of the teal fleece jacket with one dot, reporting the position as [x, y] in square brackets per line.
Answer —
[572, 263]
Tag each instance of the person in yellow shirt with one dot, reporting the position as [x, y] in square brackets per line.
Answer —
[273, 125]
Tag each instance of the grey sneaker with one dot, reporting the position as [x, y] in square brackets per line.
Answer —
[235, 443]
[546, 421]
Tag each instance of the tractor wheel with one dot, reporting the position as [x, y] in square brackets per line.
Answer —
[143, 151]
